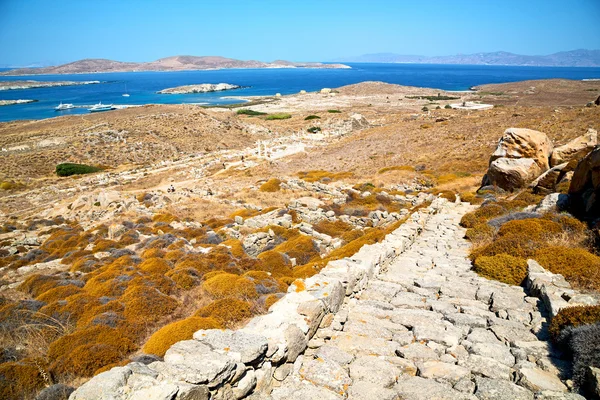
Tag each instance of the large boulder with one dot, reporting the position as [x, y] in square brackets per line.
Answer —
[512, 173]
[576, 149]
[585, 186]
[524, 143]
[546, 182]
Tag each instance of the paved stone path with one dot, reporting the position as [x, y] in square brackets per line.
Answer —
[430, 328]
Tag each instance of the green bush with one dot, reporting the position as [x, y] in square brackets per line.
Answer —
[433, 98]
[314, 129]
[312, 117]
[246, 111]
[448, 107]
[334, 111]
[279, 116]
[574, 317]
[425, 109]
[68, 169]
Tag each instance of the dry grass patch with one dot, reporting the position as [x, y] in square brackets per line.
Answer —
[323, 176]
[168, 335]
[270, 186]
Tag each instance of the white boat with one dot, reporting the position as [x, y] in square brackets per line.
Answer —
[66, 106]
[100, 107]
[125, 94]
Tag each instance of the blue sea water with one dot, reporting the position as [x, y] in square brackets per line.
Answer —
[142, 86]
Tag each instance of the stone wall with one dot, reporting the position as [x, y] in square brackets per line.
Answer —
[226, 364]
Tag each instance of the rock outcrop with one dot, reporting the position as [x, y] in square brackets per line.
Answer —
[512, 173]
[585, 187]
[576, 149]
[201, 88]
[524, 143]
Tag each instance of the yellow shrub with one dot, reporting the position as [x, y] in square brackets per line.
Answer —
[482, 214]
[155, 266]
[502, 267]
[244, 213]
[264, 282]
[272, 185]
[58, 293]
[147, 304]
[86, 359]
[301, 247]
[480, 233]
[174, 255]
[396, 168]
[170, 334]
[470, 198]
[235, 246]
[514, 245]
[20, 380]
[153, 253]
[531, 228]
[230, 285]
[37, 284]
[195, 261]
[185, 278]
[580, 267]
[228, 311]
[320, 175]
[166, 218]
[72, 308]
[271, 299]
[275, 263]
[574, 316]
[335, 228]
[104, 245]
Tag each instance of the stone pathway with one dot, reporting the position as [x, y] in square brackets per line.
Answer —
[428, 327]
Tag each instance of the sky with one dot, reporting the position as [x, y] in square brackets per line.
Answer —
[54, 32]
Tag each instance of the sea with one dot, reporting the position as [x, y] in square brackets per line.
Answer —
[142, 87]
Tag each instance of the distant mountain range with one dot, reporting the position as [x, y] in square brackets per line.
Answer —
[573, 58]
[175, 63]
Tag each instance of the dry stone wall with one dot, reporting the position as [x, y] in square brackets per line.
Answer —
[225, 364]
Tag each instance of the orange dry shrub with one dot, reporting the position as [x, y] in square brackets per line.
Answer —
[481, 215]
[58, 293]
[295, 218]
[532, 228]
[71, 308]
[265, 283]
[86, 350]
[176, 245]
[152, 253]
[275, 263]
[37, 284]
[397, 168]
[166, 218]
[272, 299]
[128, 238]
[470, 198]
[190, 233]
[184, 278]
[195, 261]
[96, 314]
[215, 223]
[244, 213]
[370, 236]
[63, 241]
[580, 267]
[502, 267]
[75, 255]
[335, 228]
[323, 176]
[20, 380]
[235, 247]
[480, 233]
[228, 311]
[111, 280]
[168, 335]
[272, 185]
[301, 247]
[230, 285]
[574, 316]
[174, 255]
[155, 266]
[104, 245]
[146, 305]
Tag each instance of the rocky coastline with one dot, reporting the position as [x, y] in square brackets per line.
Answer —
[15, 85]
[13, 102]
[201, 88]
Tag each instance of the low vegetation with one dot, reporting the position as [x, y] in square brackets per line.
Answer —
[68, 169]
[310, 117]
[334, 111]
[271, 117]
[323, 176]
[246, 111]
[433, 98]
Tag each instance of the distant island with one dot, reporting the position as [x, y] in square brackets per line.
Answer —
[14, 85]
[573, 58]
[176, 63]
[13, 102]
[202, 88]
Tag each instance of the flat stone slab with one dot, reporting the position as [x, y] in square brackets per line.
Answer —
[240, 346]
[374, 370]
[444, 371]
[417, 388]
[536, 379]
[493, 389]
[295, 389]
[325, 373]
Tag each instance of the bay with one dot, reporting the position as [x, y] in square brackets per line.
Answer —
[142, 86]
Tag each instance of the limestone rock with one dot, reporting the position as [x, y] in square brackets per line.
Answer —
[576, 149]
[240, 346]
[513, 173]
[443, 371]
[491, 389]
[325, 373]
[584, 186]
[163, 391]
[296, 389]
[536, 379]
[547, 181]
[103, 386]
[55, 392]
[518, 143]
[374, 370]
[417, 388]
[366, 390]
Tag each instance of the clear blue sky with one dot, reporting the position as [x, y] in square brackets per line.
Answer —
[51, 32]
